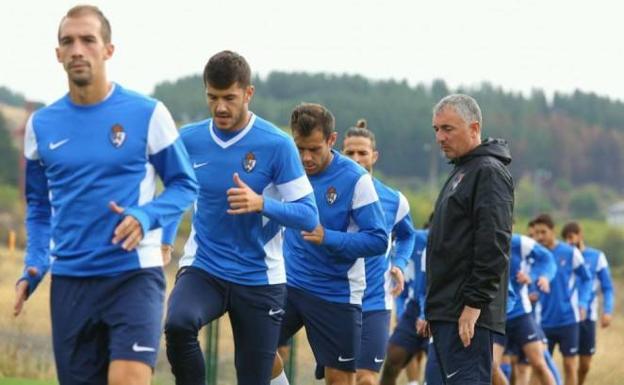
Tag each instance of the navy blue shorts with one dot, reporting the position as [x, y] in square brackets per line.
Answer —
[255, 314]
[587, 338]
[405, 336]
[375, 331]
[522, 330]
[433, 373]
[459, 365]
[96, 320]
[499, 339]
[334, 330]
[566, 336]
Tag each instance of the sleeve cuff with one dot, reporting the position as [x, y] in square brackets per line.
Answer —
[140, 216]
[332, 238]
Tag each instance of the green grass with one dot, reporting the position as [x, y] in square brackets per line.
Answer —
[19, 381]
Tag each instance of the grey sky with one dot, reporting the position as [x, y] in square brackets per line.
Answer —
[555, 45]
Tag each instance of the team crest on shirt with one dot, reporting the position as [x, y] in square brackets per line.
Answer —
[457, 180]
[249, 162]
[117, 135]
[331, 195]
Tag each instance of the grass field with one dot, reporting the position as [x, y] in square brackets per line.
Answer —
[26, 352]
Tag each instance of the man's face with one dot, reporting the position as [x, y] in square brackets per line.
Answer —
[574, 239]
[360, 149]
[229, 106]
[455, 136]
[544, 235]
[82, 51]
[314, 150]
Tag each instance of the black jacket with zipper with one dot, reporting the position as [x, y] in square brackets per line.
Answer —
[470, 238]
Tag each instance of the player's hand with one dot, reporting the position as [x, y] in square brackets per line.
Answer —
[533, 297]
[129, 230]
[582, 313]
[605, 320]
[315, 236]
[543, 284]
[21, 292]
[466, 324]
[166, 251]
[523, 278]
[243, 199]
[398, 281]
[422, 328]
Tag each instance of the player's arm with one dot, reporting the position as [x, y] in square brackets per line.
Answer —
[544, 267]
[166, 152]
[38, 214]
[606, 285]
[404, 235]
[492, 215]
[371, 238]
[584, 280]
[298, 208]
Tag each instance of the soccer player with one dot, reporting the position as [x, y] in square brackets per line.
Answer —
[406, 347]
[566, 304]
[530, 262]
[251, 184]
[360, 145]
[596, 263]
[325, 267]
[101, 143]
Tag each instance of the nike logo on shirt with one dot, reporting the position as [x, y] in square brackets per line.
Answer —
[54, 145]
[274, 312]
[198, 165]
[138, 348]
[452, 374]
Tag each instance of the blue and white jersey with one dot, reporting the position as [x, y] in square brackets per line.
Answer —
[569, 290]
[245, 249]
[81, 157]
[596, 263]
[354, 225]
[399, 227]
[414, 267]
[532, 259]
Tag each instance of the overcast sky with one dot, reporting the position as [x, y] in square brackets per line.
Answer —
[555, 45]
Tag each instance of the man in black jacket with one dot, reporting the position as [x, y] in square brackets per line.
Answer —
[469, 244]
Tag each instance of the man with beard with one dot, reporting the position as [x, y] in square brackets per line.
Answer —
[251, 184]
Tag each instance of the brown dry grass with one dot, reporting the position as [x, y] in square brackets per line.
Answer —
[25, 342]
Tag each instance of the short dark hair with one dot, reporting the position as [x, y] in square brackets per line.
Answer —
[544, 219]
[80, 10]
[361, 130]
[307, 117]
[570, 228]
[225, 69]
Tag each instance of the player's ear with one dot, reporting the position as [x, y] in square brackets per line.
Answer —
[375, 156]
[331, 140]
[249, 92]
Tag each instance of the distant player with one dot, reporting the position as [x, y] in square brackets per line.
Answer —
[596, 263]
[566, 304]
[384, 277]
[530, 262]
[325, 267]
[251, 184]
[92, 158]
[406, 348]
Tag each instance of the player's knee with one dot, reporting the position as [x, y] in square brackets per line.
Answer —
[179, 327]
[129, 373]
[366, 378]
[396, 358]
[584, 366]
